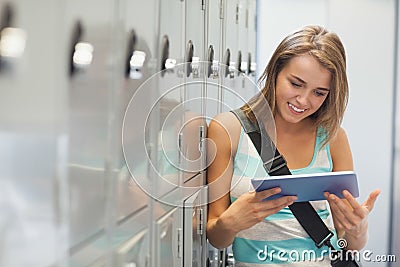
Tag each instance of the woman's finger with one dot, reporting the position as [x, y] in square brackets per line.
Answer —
[260, 196]
[337, 208]
[370, 202]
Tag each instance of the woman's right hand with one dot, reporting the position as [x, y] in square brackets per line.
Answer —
[251, 208]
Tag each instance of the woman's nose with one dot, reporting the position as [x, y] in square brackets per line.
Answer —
[302, 97]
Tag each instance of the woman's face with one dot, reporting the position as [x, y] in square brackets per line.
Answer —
[301, 88]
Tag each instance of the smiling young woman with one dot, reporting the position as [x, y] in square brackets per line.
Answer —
[305, 86]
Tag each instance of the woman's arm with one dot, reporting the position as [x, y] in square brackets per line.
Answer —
[219, 175]
[225, 220]
[349, 217]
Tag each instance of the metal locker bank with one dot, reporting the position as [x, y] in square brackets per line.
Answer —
[104, 115]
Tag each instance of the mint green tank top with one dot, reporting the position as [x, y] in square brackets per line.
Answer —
[279, 240]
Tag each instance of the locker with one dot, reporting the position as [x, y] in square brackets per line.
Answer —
[135, 56]
[135, 250]
[252, 39]
[171, 33]
[33, 141]
[231, 55]
[167, 246]
[214, 70]
[131, 253]
[242, 87]
[170, 96]
[181, 122]
[194, 87]
[194, 225]
[90, 113]
[242, 41]
[195, 39]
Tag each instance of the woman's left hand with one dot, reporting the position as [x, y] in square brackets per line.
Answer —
[351, 218]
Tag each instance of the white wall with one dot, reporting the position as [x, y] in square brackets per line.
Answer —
[366, 28]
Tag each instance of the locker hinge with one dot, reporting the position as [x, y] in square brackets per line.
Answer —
[221, 9]
[203, 4]
[201, 137]
[200, 221]
[179, 243]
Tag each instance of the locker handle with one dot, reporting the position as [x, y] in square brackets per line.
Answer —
[249, 71]
[81, 53]
[7, 16]
[135, 60]
[167, 64]
[227, 60]
[253, 67]
[189, 57]
[12, 40]
[239, 61]
[76, 37]
[132, 40]
[164, 53]
[210, 60]
[213, 65]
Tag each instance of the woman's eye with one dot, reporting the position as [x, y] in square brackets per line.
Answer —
[295, 84]
[319, 93]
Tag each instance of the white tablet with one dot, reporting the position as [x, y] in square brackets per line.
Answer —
[309, 187]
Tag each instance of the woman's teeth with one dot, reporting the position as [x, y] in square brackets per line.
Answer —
[296, 109]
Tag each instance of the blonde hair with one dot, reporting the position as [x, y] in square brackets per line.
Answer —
[328, 50]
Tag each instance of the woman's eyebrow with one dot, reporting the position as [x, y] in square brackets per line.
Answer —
[297, 78]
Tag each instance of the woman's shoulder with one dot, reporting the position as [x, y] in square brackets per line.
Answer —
[227, 120]
[341, 152]
[339, 139]
[225, 127]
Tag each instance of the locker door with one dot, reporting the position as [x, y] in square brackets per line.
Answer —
[195, 41]
[89, 25]
[167, 246]
[214, 57]
[252, 39]
[132, 253]
[194, 86]
[195, 218]
[242, 36]
[135, 234]
[32, 134]
[242, 88]
[167, 175]
[135, 56]
[231, 55]
[181, 124]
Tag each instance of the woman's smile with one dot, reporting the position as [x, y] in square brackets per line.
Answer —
[295, 109]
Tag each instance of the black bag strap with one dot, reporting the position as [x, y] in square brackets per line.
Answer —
[275, 164]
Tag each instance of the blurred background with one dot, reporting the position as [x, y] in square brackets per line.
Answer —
[104, 107]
